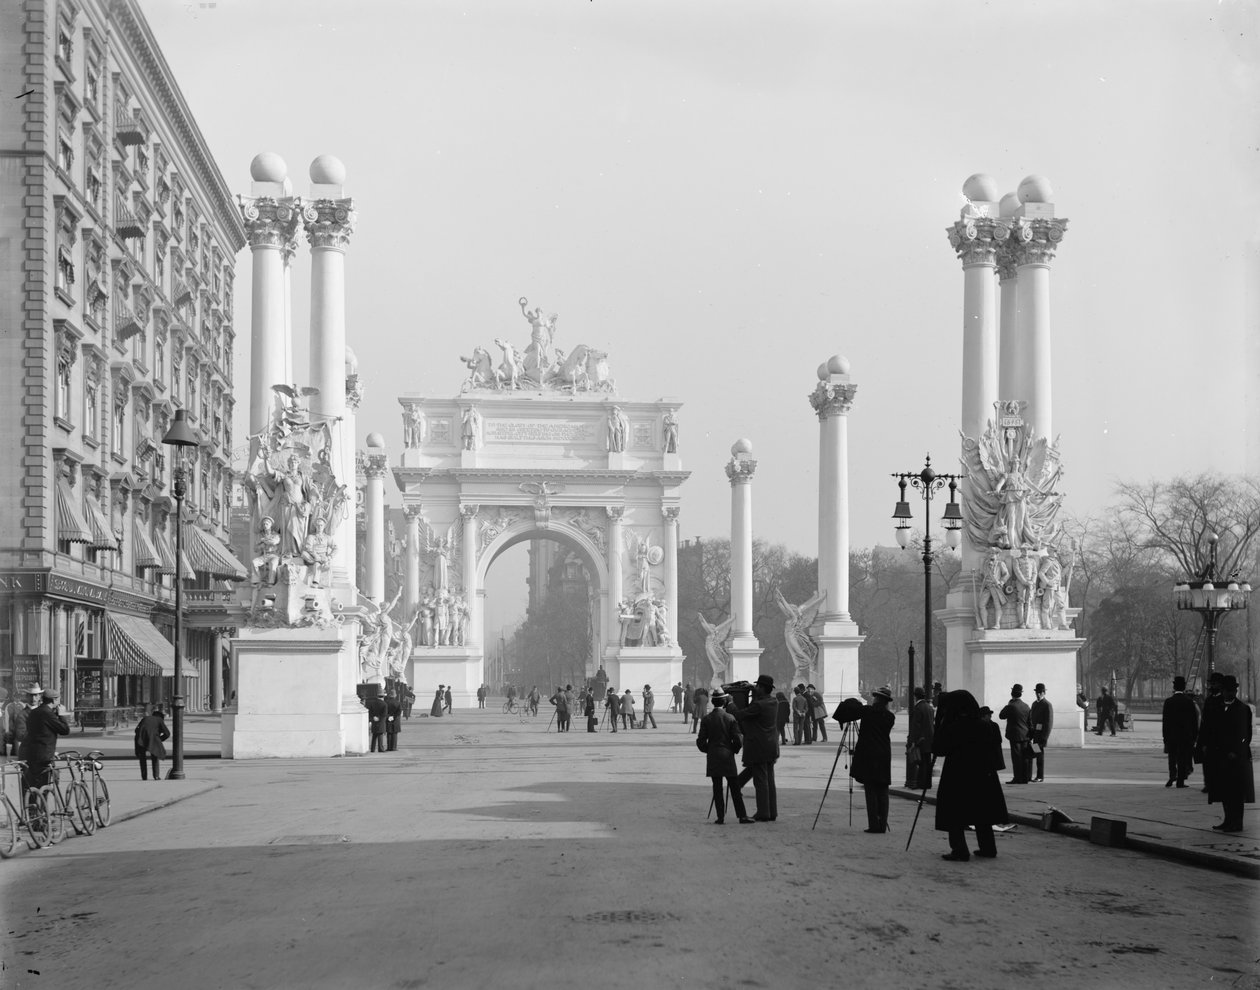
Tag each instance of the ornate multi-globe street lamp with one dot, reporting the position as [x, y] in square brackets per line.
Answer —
[180, 435]
[1213, 597]
[928, 482]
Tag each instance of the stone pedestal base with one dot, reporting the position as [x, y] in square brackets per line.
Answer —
[837, 674]
[633, 666]
[461, 668]
[987, 662]
[745, 661]
[291, 696]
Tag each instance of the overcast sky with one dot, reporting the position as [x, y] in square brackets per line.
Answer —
[723, 194]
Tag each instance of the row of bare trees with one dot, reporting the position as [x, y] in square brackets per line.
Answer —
[1128, 561]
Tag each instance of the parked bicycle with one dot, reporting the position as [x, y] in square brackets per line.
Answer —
[34, 816]
[75, 796]
[98, 788]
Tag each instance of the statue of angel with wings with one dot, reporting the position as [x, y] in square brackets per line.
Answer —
[715, 646]
[800, 644]
[445, 551]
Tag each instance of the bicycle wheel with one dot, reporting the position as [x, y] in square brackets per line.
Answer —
[38, 820]
[100, 793]
[56, 813]
[82, 814]
[8, 828]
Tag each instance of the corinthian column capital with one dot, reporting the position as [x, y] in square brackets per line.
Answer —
[832, 399]
[1036, 241]
[977, 240]
[330, 222]
[741, 470]
[376, 465]
[270, 223]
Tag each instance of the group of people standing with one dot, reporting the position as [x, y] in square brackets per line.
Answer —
[1028, 732]
[384, 721]
[809, 715]
[752, 730]
[1220, 741]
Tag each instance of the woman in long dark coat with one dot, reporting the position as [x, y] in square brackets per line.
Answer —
[970, 792]
[872, 756]
[1228, 757]
[436, 709]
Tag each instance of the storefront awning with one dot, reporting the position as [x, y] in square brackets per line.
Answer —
[71, 525]
[210, 556]
[145, 553]
[102, 533]
[137, 647]
[167, 553]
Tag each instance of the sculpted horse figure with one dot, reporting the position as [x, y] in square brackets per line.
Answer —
[597, 376]
[570, 372]
[480, 369]
[508, 374]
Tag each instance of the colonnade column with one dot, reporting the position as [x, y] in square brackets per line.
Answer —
[412, 593]
[670, 512]
[835, 631]
[329, 221]
[472, 599]
[216, 671]
[745, 651]
[615, 591]
[375, 467]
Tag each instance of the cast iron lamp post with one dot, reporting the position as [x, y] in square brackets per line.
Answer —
[178, 436]
[928, 482]
[1205, 596]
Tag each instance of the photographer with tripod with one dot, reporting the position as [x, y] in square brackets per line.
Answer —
[759, 720]
[872, 756]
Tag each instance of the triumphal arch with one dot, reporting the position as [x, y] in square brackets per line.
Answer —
[538, 442]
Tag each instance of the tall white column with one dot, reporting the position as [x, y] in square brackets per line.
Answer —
[216, 670]
[329, 221]
[471, 598]
[670, 512]
[375, 468]
[287, 252]
[615, 587]
[412, 593]
[745, 650]
[835, 630]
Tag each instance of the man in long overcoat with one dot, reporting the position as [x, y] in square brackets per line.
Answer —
[759, 724]
[1040, 725]
[1106, 707]
[612, 706]
[393, 721]
[1228, 750]
[872, 756]
[720, 739]
[376, 723]
[1016, 714]
[970, 791]
[43, 725]
[919, 742]
[1181, 728]
[1211, 710]
[151, 733]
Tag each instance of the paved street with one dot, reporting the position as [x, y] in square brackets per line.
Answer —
[488, 852]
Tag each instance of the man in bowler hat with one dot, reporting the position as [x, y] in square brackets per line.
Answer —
[1181, 728]
[872, 756]
[1017, 718]
[1041, 722]
[719, 739]
[759, 723]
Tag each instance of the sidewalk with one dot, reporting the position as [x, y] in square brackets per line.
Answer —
[1119, 778]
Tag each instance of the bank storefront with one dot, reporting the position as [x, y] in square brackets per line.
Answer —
[106, 650]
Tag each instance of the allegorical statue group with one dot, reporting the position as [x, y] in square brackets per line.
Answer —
[541, 364]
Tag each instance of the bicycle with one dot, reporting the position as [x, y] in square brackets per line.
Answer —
[99, 789]
[40, 823]
[75, 796]
[510, 707]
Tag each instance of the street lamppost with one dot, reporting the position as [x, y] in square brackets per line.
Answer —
[928, 482]
[180, 435]
[1213, 603]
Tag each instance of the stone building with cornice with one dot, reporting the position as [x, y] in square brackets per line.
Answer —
[118, 243]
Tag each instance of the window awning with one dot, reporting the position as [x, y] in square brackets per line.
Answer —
[102, 533]
[146, 555]
[210, 556]
[71, 525]
[167, 553]
[136, 647]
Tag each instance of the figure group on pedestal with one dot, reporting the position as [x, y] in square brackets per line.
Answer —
[644, 622]
[443, 618]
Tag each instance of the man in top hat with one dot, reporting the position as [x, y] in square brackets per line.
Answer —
[1041, 722]
[919, 742]
[1228, 763]
[1212, 705]
[1181, 728]
[1018, 719]
[872, 756]
[43, 725]
[719, 739]
[759, 723]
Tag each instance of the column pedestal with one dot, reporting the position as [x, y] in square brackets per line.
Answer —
[462, 668]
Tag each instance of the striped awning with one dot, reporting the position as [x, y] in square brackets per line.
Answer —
[71, 526]
[145, 553]
[210, 556]
[102, 533]
[136, 647]
[167, 553]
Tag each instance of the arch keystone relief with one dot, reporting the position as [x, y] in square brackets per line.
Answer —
[541, 444]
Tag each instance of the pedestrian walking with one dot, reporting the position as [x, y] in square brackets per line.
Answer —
[151, 733]
[720, 738]
[970, 792]
[872, 756]
[1106, 713]
[1041, 724]
[759, 724]
[1016, 715]
[612, 706]
[818, 711]
[393, 722]
[627, 710]
[533, 698]
[447, 699]
[1230, 780]
[649, 702]
[1180, 723]
[919, 742]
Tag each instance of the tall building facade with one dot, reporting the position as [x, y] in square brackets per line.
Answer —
[118, 240]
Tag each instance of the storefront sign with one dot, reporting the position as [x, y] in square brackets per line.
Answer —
[22, 582]
[82, 590]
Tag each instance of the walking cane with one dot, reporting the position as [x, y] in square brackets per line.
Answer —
[713, 799]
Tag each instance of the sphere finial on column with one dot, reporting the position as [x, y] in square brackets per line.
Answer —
[328, 170]
[267, 166]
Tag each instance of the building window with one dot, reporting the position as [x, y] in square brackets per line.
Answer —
[159, 359]
[61, 399]
[91, 408]
[65, 46]
[65, 153]
[92, 182]
[120, 427]
[159, 266]
[65, 269]
[92, 86]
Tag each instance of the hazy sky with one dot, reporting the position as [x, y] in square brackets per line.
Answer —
[723, 194]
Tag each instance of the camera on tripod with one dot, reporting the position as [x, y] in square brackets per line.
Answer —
[740, 692]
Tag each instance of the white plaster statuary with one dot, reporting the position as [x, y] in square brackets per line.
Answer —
[618, 430]
[802, 647]
[715, 646]
[470, 428]
[670, 432]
